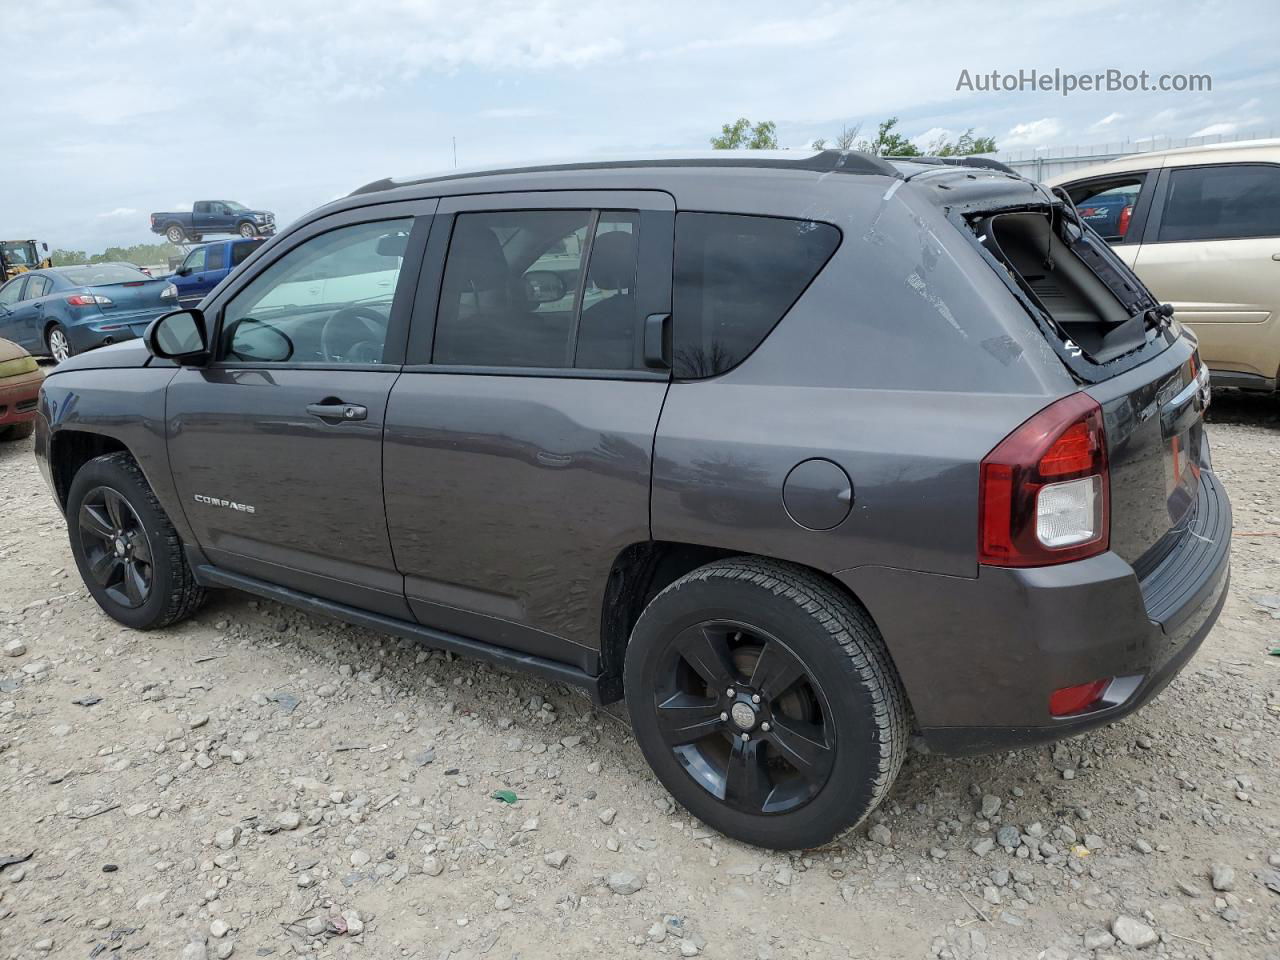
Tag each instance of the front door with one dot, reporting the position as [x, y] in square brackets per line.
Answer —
[1213, 251]
[276, 445]
[519, 439]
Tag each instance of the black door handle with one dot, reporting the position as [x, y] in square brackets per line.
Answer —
[657, 341]
[335, 411]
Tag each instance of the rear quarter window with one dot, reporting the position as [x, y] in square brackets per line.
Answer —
[735, 277]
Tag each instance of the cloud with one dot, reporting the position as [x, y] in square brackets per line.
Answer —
[119, 212]
[1105, 122]
[1217, 129]
[513, 113]
[1036, 133]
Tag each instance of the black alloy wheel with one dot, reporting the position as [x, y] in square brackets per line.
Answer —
[116, 547]
[745, 718]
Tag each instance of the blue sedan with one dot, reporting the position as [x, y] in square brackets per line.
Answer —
[63, 311]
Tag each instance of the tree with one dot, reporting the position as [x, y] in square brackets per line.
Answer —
[741, 135]
[846, 139]
[890, 143]
[142, 254]
[964, 146]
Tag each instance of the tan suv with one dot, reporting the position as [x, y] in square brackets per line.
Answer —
[1201, 227]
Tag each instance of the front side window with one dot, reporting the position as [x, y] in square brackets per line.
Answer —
[735, 277]
[11, 291]
[1222, 203]
[195, 260]
[327, 300]
[1108, 207]
[540, 288]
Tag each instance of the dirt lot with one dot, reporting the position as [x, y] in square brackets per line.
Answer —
[256, 782]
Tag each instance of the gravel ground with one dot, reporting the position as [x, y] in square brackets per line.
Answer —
[258, 782]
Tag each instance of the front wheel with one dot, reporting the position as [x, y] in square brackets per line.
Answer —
[128, 553]
[59, 343]
[766, 703]
[175, 234]
[248, 230]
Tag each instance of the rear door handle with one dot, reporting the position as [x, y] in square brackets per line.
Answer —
[335, 411]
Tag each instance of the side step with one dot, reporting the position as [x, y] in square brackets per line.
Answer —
[602, 689]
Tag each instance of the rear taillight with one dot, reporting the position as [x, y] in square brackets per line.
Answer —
[1122, 225]
[1068, 700]
[1044, 492]
[88, 300]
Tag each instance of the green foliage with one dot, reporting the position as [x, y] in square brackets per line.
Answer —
[142, 254]
[890, 143]
[742, 135]
[966, 144]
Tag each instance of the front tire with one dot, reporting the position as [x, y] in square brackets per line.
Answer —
[128, 553]
[765, 701]
[17, 431]
[248, 230]
[175, 234]
[59, 343]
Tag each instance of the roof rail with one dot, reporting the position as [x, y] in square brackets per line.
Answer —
[822, 161]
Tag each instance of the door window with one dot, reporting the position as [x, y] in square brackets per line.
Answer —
[216, 258]
[195, 260]
[327, 300]
[540, 288]
[1108, 206]
[37, 287]
[735, 277]
[240, 251]
[1222, 203]
[11, 292]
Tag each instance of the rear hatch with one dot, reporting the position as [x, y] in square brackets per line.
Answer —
[1123, 347]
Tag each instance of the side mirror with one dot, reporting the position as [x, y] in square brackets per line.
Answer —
[543, 286]
[183, 271]
[44, 247]
[180, 335]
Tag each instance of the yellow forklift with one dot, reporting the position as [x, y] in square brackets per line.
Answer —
[19, 256]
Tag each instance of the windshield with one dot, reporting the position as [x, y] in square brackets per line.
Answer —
[18, 253]
[232, 205]
[100, 274]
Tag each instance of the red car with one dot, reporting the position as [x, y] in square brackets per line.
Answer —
[20, 380]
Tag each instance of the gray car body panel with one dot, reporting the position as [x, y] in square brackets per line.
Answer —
[509, 492]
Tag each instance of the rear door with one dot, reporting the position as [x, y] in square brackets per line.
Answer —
[519, 439]
[1212, 249]
[276, 445]
[29, 315]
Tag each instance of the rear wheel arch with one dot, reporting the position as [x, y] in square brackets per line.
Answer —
[643, 570]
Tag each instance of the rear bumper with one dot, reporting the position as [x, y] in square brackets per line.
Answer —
[980, 657]
[18, 398]
[114, 329]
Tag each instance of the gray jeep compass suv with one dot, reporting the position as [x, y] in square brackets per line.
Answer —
[797, 453]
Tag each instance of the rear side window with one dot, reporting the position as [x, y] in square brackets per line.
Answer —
[735, 277]
[1222, 203]
[540, 288]
[217, 258]
[37, 287]
[240, 252]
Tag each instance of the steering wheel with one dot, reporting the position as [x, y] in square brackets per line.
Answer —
[354, 335]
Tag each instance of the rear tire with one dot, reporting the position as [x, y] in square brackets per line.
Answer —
[128, 553]
[17, 431]
[175, 234]
[815, 729]
[59, 343]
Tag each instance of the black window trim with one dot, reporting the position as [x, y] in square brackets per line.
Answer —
[1160, 200]
[418, 211]
[656, 211]
[1141, 207]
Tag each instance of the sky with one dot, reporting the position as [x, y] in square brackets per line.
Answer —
[118, 108]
